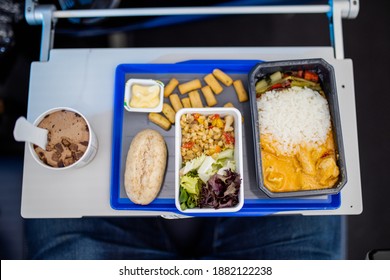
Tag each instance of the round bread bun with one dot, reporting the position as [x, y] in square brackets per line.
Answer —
[145, 166]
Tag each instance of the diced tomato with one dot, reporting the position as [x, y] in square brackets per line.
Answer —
[311, 76]
[229, 139]
[300, 73]
[188, 145]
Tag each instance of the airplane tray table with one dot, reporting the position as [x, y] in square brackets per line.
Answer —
[127, 124]
[84, 79]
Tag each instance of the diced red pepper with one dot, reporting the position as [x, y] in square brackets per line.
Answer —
[229, 139]
[284, 84]
[278, 85]
[196, 116]
[188, 145]
[215, 116]
[311, 76]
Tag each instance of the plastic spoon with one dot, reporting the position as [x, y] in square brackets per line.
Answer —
[24, 131]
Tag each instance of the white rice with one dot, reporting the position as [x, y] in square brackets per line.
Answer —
[292, 117]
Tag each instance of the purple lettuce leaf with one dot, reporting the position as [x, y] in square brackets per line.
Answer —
[221, 190]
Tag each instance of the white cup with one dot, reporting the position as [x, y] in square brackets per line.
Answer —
[89, 153]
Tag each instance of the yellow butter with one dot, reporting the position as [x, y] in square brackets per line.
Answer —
[145, 96]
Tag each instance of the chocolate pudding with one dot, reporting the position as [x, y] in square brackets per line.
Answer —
[67, 139]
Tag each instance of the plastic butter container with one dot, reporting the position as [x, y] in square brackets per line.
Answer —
[144, 95]
[238, 155]
[327, 81]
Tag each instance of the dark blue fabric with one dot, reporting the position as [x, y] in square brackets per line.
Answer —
[272, 237]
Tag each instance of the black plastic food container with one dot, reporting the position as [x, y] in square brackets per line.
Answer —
[328, 83]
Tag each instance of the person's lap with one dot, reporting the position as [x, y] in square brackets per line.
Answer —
[280, 237]
[97, 238]
[273, 237]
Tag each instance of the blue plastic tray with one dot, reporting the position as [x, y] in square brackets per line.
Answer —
[126, 125]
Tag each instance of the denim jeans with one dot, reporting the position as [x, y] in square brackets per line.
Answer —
[271, 237]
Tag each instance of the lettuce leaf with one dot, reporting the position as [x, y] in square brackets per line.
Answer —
[228, 153]
[190, 186]
[221, 190]
[210, 166]
[209, 182]
[206, 169]
[192, 165]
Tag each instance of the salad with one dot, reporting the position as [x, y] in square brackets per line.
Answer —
[208, 176]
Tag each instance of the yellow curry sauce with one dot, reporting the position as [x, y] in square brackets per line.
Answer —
[310, 168]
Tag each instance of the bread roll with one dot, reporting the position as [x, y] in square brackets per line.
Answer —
[145, 166]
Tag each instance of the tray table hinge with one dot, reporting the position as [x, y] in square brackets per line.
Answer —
[340, 9]
[47, 16]
[42, 15]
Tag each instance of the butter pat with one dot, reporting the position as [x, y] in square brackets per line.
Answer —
[143, 95]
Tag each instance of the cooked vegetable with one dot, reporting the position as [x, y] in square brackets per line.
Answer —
[275, 77]
[311, 76]
[306, 78]
[261, 85]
